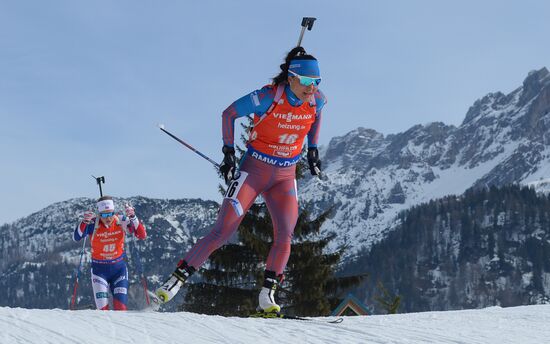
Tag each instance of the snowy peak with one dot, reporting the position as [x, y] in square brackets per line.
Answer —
[485, 105]
[355, 142]
[421, 143]
[533, 84]
[497, 104]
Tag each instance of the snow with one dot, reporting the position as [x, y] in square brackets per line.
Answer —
[525, 324]
[541, 185]
[365, 232]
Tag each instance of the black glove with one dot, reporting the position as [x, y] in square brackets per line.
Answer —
[313, 161]
[227, 168]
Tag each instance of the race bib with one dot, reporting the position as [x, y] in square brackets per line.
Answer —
[233, 191]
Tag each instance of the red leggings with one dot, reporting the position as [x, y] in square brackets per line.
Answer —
[278, 188]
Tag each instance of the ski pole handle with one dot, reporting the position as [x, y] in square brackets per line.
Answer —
[307, 22]
[100, 180]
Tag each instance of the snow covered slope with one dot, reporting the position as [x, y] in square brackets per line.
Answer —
[369, 178]
[541, 185]
[528, 324]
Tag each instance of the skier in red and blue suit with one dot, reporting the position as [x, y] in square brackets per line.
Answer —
[107, 232]
[285, 112]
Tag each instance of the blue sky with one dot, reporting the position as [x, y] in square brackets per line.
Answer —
[83, 84]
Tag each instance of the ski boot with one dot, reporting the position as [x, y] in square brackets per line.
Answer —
[172, 285]
[266, 299]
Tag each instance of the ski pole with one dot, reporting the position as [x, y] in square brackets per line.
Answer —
[73, 300]
[140, 271]
[161, 127]
[139, 267]
[99, 180]
[307, 22]
[304, 160]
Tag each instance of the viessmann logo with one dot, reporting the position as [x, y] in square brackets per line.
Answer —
[108, 234]
[289, 117]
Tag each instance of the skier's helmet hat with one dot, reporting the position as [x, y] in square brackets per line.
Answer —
[105, 204]
[304, 67]
[298, 61]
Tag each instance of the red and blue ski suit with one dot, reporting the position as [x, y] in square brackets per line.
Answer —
[268, 168]
[109, 270]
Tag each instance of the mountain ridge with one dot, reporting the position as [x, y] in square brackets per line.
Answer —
[370, 178]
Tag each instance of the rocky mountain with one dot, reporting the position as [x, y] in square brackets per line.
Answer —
[369, 178]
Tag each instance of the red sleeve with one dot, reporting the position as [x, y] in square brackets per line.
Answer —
[140, 231]
[83, 229]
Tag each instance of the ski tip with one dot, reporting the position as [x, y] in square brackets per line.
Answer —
[155, 301]
[279, 315]
[161, 126]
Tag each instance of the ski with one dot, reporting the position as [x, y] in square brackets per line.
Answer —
[155, 303]
[278, 315]
[84, 307]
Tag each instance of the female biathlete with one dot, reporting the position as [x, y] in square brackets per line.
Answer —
[285, 112]
[107, 231]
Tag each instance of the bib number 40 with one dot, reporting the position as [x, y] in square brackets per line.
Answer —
[109, 248]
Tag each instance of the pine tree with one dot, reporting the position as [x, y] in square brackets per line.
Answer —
[388, 301]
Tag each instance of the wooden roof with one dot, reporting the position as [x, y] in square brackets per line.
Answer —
[352, 303]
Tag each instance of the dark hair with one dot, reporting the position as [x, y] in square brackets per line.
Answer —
[105, 198]
[297, 53]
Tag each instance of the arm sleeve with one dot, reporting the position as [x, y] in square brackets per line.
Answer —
[256, 102]
[140, 231]
[313, 134]
[83, 229]
[135, 227]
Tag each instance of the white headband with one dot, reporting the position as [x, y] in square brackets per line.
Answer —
[106, 205]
